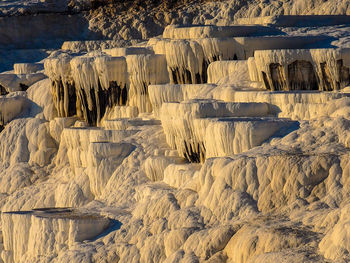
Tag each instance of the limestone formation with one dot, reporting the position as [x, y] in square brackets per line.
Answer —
[223, 138]
[313, 69]
[66, 226]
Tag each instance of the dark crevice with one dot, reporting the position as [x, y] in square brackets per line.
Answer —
[344, 75]
[278, 77]
[194, 153]
[3, 91]
[266, 81]
[301, 75]
[58, 91]
[23, 87]
[102, 100]
[326, 77]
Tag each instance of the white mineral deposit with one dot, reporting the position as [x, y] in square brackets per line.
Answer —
[174, 131]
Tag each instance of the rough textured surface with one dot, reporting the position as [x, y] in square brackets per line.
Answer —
[157, 164]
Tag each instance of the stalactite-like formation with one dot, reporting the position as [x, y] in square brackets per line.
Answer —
[191, 126]
[302, 69]
[145, 70]
[57, 67]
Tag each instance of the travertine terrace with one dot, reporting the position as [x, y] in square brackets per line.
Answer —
[209, 131]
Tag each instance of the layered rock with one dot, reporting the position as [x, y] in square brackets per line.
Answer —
[145, 70]
[11, 107]
[92, 45]
[293, 104]
[160, 94]
[44, 232]
[212, 31]
[58, 69]
[191, 127]
[303, 69]
[27, 68]
[297, 20]
[18, 82]
[120, 51]
[129, 124]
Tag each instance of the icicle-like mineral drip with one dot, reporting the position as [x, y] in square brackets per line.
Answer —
[145, 70]
[113, 77]
[219, 70]
[215, 49]
[185, 61]
[88, 86]
[63, 91]
[303, 69]
[185, 123]
[102, 83]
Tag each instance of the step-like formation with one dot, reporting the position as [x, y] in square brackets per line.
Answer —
[176, 124]
[201, 129]
[25, 232]
[97, 152]
[212, 31]
[91, 85]
[297, 20]
[298, 105]
[12, 106]
[303, 69]
[92, 45]
[27, 68]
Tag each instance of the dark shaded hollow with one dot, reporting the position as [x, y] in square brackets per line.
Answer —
[266, 80]
[59, 90]
[119, 94]
[344, 75]
[184, 76]
[3, 91]
[102, 99]
[194, 153]
[23, 87]
[301, 75]
[278, 77]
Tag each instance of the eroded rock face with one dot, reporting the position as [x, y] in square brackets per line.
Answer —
[313, 69]
[91, 86]
[57, 68]
[11, 107]
[144, 70]
[46, 231]
[27, 68]
[27, 140]
[19, 82]
[195, 172]
[192, 127]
